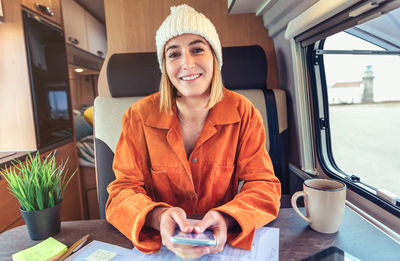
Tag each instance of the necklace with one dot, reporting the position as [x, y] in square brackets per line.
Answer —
[187, 126]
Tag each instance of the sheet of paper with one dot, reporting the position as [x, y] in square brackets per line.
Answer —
[101, 255]
[100, 251]
[265, 247]
[45, 250]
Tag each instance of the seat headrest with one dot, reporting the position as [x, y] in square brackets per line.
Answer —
[137, 74]
[133, 74]
[245, 67]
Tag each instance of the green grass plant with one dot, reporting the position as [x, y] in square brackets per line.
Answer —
[39, 183]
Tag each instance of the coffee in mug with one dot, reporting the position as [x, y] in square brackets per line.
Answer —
[324, 201]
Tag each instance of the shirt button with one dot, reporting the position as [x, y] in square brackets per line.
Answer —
[194, 160]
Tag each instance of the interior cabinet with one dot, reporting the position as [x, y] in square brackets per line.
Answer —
[15, 94]
[47, 8]
[83, 30]
[10, 214]
[19, 133]
[74, 24]
[96, 35]
[30, 81]
[72, 208]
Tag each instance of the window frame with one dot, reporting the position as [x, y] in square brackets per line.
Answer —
[321, 124]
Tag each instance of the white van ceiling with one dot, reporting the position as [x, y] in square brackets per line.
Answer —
[248, 7]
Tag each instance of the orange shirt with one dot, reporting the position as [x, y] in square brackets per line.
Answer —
[152, 169]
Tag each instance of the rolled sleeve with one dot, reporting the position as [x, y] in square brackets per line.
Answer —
[129, 203]
[258, 202]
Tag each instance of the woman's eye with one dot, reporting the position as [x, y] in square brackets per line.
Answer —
[173, 55]
[198, 50]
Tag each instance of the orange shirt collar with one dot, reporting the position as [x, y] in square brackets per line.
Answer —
[224, 112]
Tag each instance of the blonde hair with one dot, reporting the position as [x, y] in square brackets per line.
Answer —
[168, 91]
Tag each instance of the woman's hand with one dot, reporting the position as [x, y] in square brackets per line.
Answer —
[219, 224]
[165, 220]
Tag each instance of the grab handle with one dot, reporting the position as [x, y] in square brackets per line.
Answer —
[294, 204]
[44, 9]
[73, 40]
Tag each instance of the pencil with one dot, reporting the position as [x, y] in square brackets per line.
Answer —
[73, 248]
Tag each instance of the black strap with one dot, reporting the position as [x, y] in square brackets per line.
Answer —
[273, 129]
[104, 173]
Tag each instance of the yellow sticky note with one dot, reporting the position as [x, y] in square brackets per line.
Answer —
[45, 250]
[101, 255]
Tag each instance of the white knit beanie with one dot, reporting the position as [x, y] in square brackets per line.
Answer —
[185, 20]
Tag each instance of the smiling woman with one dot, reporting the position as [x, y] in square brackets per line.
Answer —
[189, 64]
[182, 151]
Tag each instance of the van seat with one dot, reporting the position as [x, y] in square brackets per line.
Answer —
[132, 76]
[245, 71]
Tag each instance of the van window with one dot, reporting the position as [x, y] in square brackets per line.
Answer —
[358, 103]
[364, 111]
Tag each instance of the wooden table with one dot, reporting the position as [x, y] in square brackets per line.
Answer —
[296, 239]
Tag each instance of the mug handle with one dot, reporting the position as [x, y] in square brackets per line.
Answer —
[294, 204]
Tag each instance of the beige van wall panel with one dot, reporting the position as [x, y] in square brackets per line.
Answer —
[74, 89]
[132, 25]
[86, 90]
[17, 131]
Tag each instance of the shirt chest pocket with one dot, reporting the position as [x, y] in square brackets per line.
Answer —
[171, 185]
[222, 182]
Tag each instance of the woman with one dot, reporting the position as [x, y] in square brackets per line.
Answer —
[182, 151]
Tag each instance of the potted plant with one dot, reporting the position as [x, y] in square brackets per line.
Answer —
[39, 186]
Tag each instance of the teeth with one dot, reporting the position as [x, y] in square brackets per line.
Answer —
[188, 78]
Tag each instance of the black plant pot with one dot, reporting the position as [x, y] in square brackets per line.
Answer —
[43, 223]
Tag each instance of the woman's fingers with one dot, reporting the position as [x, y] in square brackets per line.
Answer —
[216, 222]
[169, 220]
[209, 221]
[179, 216]
[213, 220]
[220, 243]
[167, 226]
[172, 217]
[191, 252]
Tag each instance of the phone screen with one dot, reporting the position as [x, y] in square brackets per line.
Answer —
[205, 239]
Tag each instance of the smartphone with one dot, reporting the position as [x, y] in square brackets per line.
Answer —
[331, 254]
[196, 239]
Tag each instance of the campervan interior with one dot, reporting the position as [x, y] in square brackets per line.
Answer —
[323, 74]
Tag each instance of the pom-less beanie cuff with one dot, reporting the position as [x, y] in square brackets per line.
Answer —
[185, 20]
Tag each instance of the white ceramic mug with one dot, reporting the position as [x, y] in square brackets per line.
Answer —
[324, 201]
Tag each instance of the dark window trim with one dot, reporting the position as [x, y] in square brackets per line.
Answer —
[342, 21]
[350, 180]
